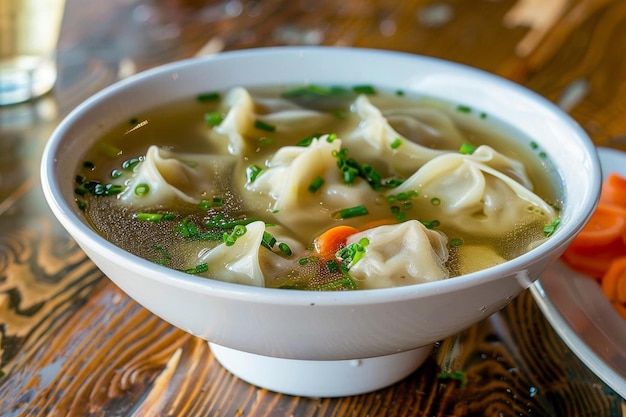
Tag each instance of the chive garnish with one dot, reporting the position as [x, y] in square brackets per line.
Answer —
[82, 206]
[316, 184]
[284, 248]
[266, 141]
[213, 118]
[332, 266]
[206, 97]
[463, 108]
[260, 124]
[198, 269]
[154, 217]
[364, 89]
[230, 238]
[430, 224]
[551, 228]
[457, 241]
[396, 143]
[116, 173]
[88, 165]
[467, 149]
[353, 252]
[456, 375]
[165, 256]
[435, 201]
[268, 240]
[141, 190]
[351, 212]
[252, 172]
[131, 163]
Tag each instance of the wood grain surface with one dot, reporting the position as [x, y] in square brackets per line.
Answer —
[72, 344]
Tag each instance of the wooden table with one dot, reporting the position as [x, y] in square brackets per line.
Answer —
[71, 343]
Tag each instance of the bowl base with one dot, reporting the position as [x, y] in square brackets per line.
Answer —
[320, 379]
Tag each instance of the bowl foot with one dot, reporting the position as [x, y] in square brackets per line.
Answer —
[310, 378]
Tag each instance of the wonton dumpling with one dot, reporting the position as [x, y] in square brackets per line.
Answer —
[508, 166]
[428, 127]
[400, 254]
[238, 263]
[372, 142]
[171, 176]
[243, 112]
[473, 197]
[287, 180]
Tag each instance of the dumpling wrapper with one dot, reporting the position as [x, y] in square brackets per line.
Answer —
[470, 196]
[238, 263]
[288, 176]
[243, 112]
[400, 254]
[372, 141]
[171, 177]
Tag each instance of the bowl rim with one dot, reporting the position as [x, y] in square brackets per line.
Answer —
[64, 213]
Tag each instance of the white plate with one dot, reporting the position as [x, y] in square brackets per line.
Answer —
[579, 312]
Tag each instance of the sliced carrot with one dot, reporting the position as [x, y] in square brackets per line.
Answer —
[614, 190]
[593, 261]
[620, 307]
[329, 242]
[614, 281]
[606, 225]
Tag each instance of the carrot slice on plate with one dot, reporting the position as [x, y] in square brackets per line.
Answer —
[614, 281]
[614, 190]
[606, 225]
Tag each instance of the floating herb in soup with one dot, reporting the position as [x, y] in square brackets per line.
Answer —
[318, 188]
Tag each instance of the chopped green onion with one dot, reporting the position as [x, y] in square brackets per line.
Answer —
[467, 149]
[268, 240]
[351, 212]
[435, 201]
[238, 231]
[430, 224]
[353, 252]
[364, 89]
[308, 140]
[483, 115]
[131, 163]
[456, 375]
[396, 143]
[149, 217]
[198, 269]
[284, 248]
[207, 97]
[116, 173]
[142, 189]
[259, 124]
[252, 172]
[331, 137]
[551, 228]
[213, 118]
[463, 108]
[534, 145]
[332, 266]
[82, 206]
[457, 241]
[316, 184]
[81, 191]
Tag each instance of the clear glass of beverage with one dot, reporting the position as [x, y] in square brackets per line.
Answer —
[29, 32]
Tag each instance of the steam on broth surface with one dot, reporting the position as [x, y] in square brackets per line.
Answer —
[318, 188]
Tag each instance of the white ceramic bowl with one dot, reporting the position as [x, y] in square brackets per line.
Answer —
[323, 343]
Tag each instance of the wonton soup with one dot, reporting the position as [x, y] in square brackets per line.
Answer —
[318, 188]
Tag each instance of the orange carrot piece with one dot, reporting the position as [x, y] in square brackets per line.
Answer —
[614, 190]
[328, 243]
[593, 261]
[613, 279]
[606, 225]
